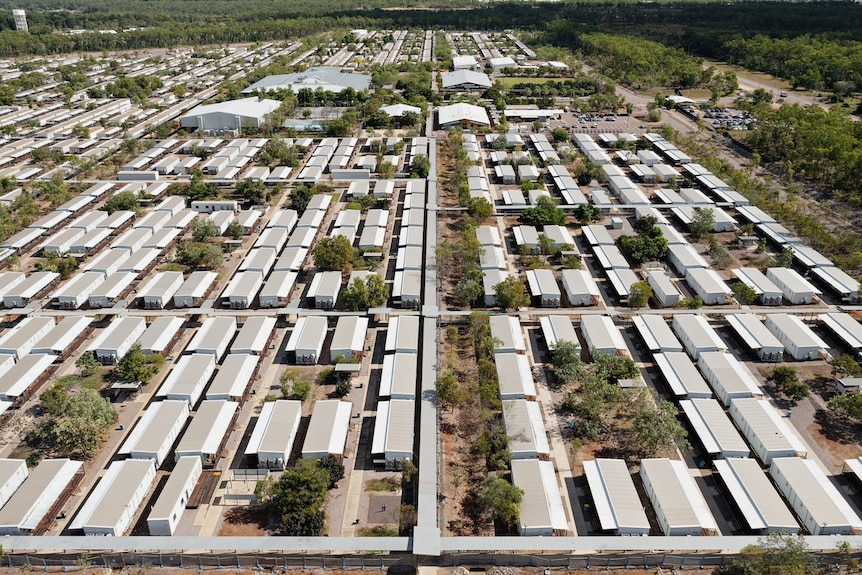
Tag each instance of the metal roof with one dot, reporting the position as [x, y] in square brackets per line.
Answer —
[116, 497]
[308, 334]
[398, 377]
[676, 496]
[514, 376]
[795, 330]
[768, 433]
[209, 425]
[541, 504]
[350, 332]
[556, 328]
[713, 428]
[196, 285]
[187, 379]
[276, 428]
[728, 376]
[327, 430]
[175, 488]
[752, 331]
[696, 333]
[33, 500]
[156, 430]
[755, 496]
[253, 335]
[616, 500]
[525, 428]
[213, 334]
[163, 285]
[62, 335]
[845, 327]
[601, 334]
[508, 330]
[655, 332]
[160, 333]
[232, 377]
[681, 375]
[403, 334]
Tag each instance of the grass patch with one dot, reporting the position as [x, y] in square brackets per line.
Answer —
[95, 381]
[511, 82]
[172, 267]
[377, 531]
[385, 484]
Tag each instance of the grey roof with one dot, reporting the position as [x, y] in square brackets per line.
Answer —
[465, 78]
[208, 427]
[327, 78]
[755, 496]
[681, 375]
[327, 430]
[616, 500]
[655, 332]
[541, 505]
[525, 428]
[34, 498]
[714, 429]
[116, 497]
[175, 487]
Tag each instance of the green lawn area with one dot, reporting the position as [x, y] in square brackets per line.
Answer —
[510, 82]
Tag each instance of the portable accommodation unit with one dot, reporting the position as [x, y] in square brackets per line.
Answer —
[272, 439]
[140, 261]
[664, 291]
[523, 422]
[306, 340]
[846, 329]
[159, 291]
[756, 336]
[61, 242]
[818, 504]
[273, 238]
[20, 340]
[276, 291]
[348, 342]
[161, 335]
[214, 336]
[795, 288]
[542, 513]
[242, 289]
[113, 503]
[767, 292]
[32, 507]
[543, 287]
[156, 431]
[207, 434]
[22, 377]
[676, 499]
[76, 292]
[508, 330]
[656, 334]
[755, 497]
[233, 378]
[684, 257]
[580, 288]
[615, 499]
[90, 242]
[557, 328]
[527, 238]
[713, 428]
[681, 375]
[21, 294]
[708, 285]
[187, 379]
[399, 376]
[597, 235]
[132, 240]
[327, 430]
[324, 289]
[193, 290]
[601, 335]
[9, 280]
[63, 338]
[621, 281]
[392, 440]
[838, 282]
[768, 434]
[407, 289]
[798, 339]
[290, 260]
[514, 376]
[402, 334]
[490, 279]
[209, 206]
[13, 472]
[259, 260]
[165, 515]
[112, 344]
[729, 378]
[488, 236]
[696, 334]
[254, 336]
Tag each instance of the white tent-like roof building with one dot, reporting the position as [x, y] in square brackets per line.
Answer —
[462, 114]
[230, 115]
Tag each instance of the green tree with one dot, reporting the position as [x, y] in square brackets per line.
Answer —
[300, 196]
[449, 392]
[501, 499]
[511, 293]
[560, 134]
[639, 294]
[252, 191]
[55, 399]
[480, 209]
[656, 428]
[366, 293]
[848, 404]
[614, 367]
[234, 230]
[136, 366]
[202, 229]
[784, 259]
[543, 213]
[333, 254]
[467, 292]
[744, 293]
[334, 467]
[702, 223]
[122, 201]
[198, 255]
[775, 554]
[786, 380]
[566, 359]
[843, 365]
[338, 128]
[88, 364]
[295, 501]
[420, 167]
[650, 244]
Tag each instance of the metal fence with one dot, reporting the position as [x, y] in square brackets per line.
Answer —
[268, 562]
